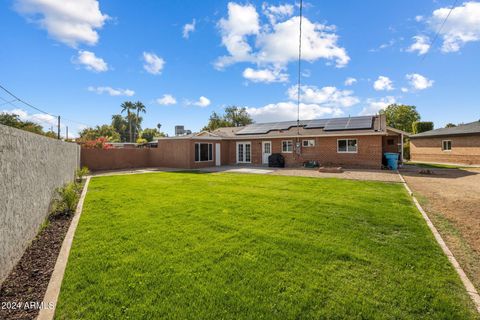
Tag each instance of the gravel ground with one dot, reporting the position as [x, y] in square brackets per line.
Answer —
[354, 174]
[451, 198]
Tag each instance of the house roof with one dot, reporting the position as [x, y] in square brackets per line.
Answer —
[463, 129]
[347, 126]
[365, 125]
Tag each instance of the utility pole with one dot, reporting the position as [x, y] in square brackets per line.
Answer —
[67, 134]
[58, 128]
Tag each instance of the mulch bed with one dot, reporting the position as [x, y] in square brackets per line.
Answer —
[28, 281]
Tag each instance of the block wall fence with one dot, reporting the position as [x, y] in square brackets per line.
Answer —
[31, 168]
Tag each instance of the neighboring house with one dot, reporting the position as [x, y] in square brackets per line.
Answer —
[350, 141]
[459, 144]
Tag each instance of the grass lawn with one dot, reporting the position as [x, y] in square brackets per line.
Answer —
[237, 246]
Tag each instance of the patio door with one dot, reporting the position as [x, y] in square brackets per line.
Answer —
[266, 151]
[244, 152]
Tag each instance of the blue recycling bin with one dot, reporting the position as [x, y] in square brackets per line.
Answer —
[392, 160]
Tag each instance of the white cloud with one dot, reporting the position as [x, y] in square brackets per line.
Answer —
[188, 28]
[280, 46]
[45, 120]
[201, 102]
[283, 111]
[111, 91]
[421, 44]
[419, 82]
[153, 63]
[326, 96]
[383, 83]
[264, 75]
[375, 105]
[276, 43]
[69, 21]
[350, 81]
[403, 89]
[315, 103]
[419, 18]
[166, 100]
[462, 26]
[277, 12]
[90, 61]
[242, 21]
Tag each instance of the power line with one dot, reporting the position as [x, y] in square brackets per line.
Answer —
[26, 103]
[17, 99]
[440, 29]
[299, 67]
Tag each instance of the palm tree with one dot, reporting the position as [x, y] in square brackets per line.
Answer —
[127, 106]
[140, 107]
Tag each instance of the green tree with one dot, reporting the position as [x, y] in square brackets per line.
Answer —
[105, 131]
[120, 124]
[149, 134]
[421, 126]
[233, 117]
[13, 120]
[128, 106]
[139, 107]
[450, 125]
[237, 117]
[401, 116]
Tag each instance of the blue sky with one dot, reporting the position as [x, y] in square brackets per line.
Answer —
[183, 60]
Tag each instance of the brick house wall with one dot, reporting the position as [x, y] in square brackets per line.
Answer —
[369, 153]
[465, 149]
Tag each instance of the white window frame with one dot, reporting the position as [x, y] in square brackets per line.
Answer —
[310, 143]
[443, 145]
[199, 152]
[244, 149]
[291, 143]
[347, 151]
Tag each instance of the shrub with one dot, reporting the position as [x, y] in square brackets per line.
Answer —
[421, 126]
[406, 150]
[81, 173]
[99, 143]
[66, 199]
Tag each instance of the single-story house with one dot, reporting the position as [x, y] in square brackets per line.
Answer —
[459, 144]
[349, 141]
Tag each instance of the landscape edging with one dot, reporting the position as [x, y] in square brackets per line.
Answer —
[469, 287]
[55, 283]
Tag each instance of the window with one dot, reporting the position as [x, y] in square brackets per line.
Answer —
[203, 152]
[308, 143]
[447, 145]
[244, 152]
[390, 142]
[287, 146]
[347, 146]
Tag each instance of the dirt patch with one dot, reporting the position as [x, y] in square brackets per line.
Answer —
[451, 198]
[23, 290]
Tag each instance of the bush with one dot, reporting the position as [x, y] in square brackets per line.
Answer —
[81, 173]
[406, 150]
[66, 199]
[421, 126]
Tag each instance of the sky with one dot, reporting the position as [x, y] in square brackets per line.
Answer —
[186, 59]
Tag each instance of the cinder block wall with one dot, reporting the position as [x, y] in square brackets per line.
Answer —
[31, 168]
[465, 149]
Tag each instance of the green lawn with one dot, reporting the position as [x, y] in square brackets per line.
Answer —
[237, 246]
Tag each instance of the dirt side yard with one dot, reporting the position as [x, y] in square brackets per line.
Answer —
[451, 198]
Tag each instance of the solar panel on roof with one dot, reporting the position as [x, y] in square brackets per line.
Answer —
[349, 123]
[320, 123]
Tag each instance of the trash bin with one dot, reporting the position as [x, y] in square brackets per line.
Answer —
[392, 160]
